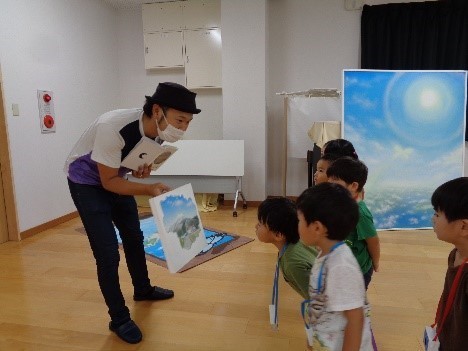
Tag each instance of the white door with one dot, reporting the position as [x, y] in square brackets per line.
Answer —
[201, 14]
[3, 217]
[8, 219]
[163, 49]
[203, 58]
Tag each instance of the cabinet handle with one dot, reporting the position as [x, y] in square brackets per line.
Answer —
[146, 50]
[187, 59]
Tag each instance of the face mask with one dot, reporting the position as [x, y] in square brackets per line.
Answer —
[171, 133]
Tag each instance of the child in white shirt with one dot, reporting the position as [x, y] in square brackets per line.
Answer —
[337, 311]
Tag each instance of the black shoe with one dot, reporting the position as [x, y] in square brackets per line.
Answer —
[128, 332]
[156, 293]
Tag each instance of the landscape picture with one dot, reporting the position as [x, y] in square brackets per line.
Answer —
[180, 228]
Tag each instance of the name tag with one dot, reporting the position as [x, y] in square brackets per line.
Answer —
[429, 343]
[310, 335]
[274, 325]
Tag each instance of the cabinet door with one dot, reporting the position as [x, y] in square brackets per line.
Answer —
[201, 14]
[203, 58]
[163, 49]
[162, 16]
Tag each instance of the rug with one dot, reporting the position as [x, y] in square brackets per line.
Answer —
[219, 242]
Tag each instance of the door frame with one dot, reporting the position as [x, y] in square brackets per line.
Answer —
[6, 178]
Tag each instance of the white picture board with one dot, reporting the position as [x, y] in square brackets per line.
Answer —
[179, 224]
[147, 151]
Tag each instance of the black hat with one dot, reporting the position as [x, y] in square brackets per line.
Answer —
[175, 96]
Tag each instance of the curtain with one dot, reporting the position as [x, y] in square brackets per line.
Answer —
[431, 35]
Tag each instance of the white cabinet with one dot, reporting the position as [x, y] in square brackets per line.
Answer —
[163, 49]
[186, 34]
[162, 16]
[201, 14]
[203, 58]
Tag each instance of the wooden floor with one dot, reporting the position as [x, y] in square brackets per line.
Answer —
[50, 299]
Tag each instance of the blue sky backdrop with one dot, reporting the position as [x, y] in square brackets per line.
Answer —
[408, 127]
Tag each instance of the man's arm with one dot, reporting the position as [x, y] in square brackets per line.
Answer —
[112, 182]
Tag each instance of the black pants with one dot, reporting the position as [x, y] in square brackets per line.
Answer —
[99, 210]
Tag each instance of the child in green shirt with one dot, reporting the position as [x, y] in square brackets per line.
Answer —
[320, 175]
[363, 240]
[277, 224]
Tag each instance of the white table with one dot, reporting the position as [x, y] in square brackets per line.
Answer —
[211, 166]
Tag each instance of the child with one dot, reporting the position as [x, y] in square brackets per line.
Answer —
[277, 224]
[340, 147]
[363, 240]
[450, 221]
[325, 161]
[327, 213]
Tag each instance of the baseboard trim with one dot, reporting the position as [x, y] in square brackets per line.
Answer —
[254, 203]
[290, 197]
[239, 203]
[48, 225]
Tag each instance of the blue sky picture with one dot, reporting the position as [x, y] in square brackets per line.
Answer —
[176, 207]
[408, 128]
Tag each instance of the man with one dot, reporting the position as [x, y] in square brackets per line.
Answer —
[104, 196]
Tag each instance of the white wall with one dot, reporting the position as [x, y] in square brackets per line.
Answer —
[135, 81]
[310, 43]
[91, 56]
[244, 86]
[66, 46]
[236, 112]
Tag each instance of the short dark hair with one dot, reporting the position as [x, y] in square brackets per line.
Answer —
[451, 198]
[279, 214]
[330, 158]
[349, 170]
[340, 147]
[332, 205]
[148, 107]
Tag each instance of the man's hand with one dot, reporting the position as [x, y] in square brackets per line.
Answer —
[142, 172]
[158, 189]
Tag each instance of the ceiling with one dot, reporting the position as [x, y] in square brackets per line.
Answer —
[128, 4]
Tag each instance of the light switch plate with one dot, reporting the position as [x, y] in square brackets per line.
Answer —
[15, 109]
[352, 5]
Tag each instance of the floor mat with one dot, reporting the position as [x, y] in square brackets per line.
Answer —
[219, 242]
